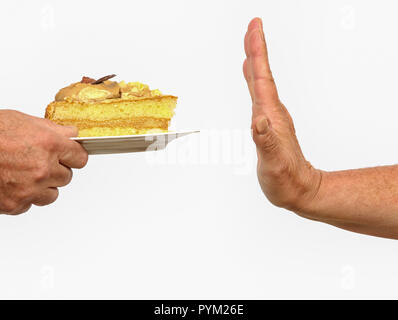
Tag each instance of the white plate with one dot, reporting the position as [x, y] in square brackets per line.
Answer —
[133, 143]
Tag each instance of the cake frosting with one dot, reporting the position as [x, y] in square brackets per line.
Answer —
[87, 91]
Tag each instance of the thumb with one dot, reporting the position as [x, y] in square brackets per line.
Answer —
[265, 138]
[67, 131]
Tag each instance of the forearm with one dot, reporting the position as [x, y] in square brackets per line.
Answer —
[364, 201]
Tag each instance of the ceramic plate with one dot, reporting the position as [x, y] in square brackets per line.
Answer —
[133, 143]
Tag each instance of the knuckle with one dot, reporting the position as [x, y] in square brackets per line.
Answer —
[265, 77]
[41, 173]
[48, 140]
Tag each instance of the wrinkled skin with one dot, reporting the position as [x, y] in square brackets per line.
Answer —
[36, 157]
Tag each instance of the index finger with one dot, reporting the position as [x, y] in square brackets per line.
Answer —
[262, 82]
[72, 154]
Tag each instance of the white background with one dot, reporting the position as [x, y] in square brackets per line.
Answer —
[191, 222]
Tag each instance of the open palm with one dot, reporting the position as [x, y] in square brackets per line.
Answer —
[286, 178]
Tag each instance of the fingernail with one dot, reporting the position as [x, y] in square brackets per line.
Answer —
[262, 30]
[262, 125]
[261, 23]
[262, 35]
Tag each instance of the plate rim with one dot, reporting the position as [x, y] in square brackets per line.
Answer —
[135, 135]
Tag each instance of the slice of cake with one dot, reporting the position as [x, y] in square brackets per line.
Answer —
[108, 108]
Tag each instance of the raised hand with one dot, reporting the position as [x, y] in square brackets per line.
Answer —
[286, 178]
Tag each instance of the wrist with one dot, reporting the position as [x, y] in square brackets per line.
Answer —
[306, 203]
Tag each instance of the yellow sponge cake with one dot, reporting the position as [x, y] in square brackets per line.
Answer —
[108, 108]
